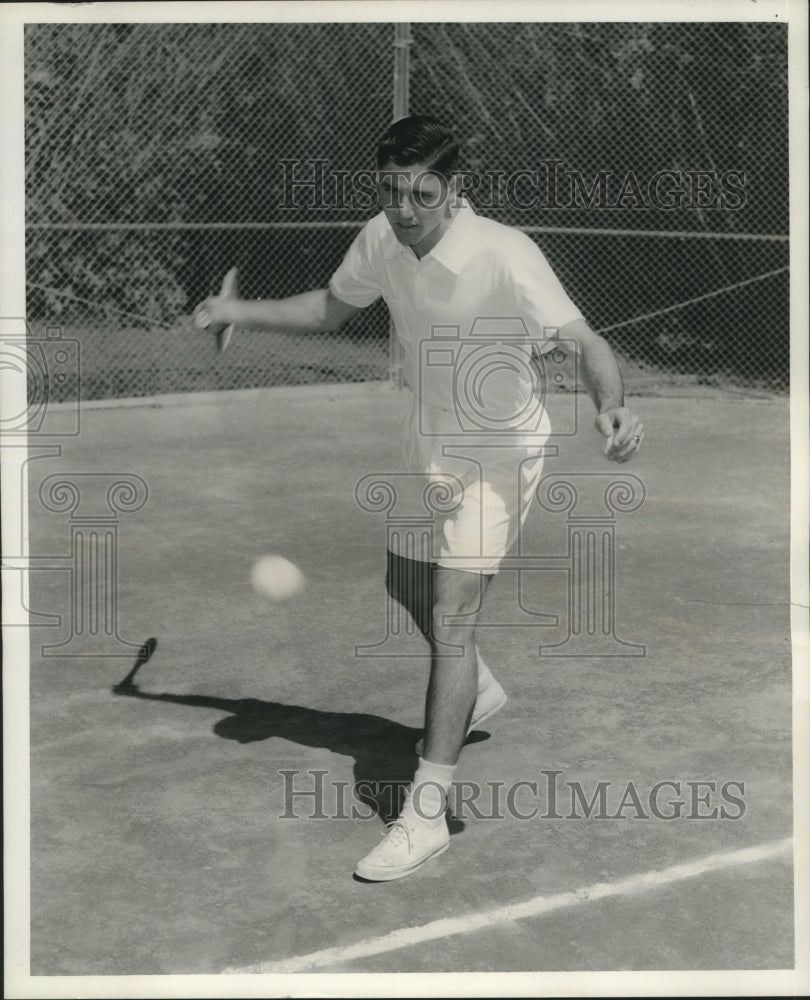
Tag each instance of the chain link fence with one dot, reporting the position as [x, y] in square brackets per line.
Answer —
[649, 161]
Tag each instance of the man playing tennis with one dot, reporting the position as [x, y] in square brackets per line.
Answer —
[443, 270]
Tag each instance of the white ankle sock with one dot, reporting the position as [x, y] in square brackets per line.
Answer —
[431, 783]
[485, 678]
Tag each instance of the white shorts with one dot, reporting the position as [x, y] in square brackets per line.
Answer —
[481, 487]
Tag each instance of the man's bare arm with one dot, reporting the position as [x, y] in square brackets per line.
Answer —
[311, 312]
[603, 381]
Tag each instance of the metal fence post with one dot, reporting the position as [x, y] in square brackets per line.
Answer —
[402, 58]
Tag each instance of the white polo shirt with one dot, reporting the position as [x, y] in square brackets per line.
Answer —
[466, 314]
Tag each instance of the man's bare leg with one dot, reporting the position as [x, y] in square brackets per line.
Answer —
[453, 683]
[411, 583]
[420, 833]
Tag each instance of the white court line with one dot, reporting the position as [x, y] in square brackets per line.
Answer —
[406, 937]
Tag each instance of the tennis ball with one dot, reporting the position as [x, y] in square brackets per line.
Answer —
[276, 578]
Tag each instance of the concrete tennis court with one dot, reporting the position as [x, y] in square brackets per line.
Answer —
[157, 840]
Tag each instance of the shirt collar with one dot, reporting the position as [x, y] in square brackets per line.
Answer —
[452, 248]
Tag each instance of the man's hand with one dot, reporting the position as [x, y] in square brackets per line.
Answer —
[624, 432]
[214, 312]
[603, 380]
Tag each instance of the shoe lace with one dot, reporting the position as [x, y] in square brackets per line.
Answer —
[395, 831]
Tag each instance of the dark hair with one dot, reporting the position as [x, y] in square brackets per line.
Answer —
[419, 139]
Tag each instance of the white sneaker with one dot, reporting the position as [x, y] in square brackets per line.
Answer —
[489, 701]
[409, 843]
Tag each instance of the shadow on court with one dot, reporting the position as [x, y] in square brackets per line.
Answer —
[382, 749]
